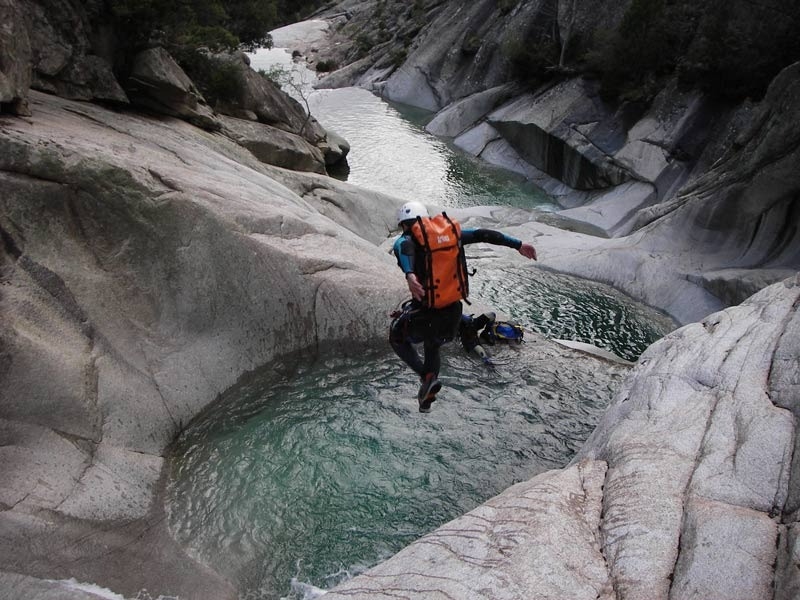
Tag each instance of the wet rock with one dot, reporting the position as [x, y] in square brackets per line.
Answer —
[463, 114]
[508, 548]
[22, 586]
[335, 148]
[543, 129]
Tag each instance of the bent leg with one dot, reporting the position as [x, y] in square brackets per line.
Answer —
[401, 343]
[433, 361]
[443, 328]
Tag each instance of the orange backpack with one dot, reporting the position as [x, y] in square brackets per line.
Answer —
[445, 264]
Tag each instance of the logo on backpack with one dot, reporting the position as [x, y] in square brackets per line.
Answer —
[445, 267]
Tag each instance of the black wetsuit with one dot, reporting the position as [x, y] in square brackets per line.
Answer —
[431, 326]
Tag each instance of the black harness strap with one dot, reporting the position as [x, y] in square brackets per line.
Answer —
[429, 284]
[463, 280]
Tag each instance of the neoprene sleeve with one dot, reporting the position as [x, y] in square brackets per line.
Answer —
[404, 252]
[489, 236]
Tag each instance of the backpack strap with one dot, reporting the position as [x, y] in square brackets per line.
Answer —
[463, 279]
[429, 291]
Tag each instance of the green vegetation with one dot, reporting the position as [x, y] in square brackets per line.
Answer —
[505, 6]
[292, 11]
[398, 57]
[729, 49]
[533, 63]
[363, 44]
[737, 52]
[710, 45]
[193, 31]
[632, 59]
[471, 43]
[215, 24]
[326, 66]
[219, 80]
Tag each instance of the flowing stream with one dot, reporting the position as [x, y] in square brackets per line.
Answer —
[316, 468]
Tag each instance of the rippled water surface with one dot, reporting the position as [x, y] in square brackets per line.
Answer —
[323, 474]
[394, 154]
[332, 469]
[314, 470]
[564, 307]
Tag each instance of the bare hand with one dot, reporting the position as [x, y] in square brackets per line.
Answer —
[415, 287]
[527, 251]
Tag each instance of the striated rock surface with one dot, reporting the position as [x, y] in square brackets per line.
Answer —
[688, 488]
[728, 232]
[511, 547]
[144, 269]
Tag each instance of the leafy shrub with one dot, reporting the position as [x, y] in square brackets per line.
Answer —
[214, 23]
[219, 80]
[532, 61]
[637, 53]
[363, 44]
[326, 66]
[216, 39]
[729, 50]
[734, 56]
[471, 43]
[399, 56]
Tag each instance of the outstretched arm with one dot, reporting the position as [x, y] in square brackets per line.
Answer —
[490, 236]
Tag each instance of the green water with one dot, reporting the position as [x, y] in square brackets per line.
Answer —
[563, 307]
[322, 475]
[305, 474]
[311, 471]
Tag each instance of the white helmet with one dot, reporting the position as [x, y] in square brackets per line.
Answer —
[411, 210]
